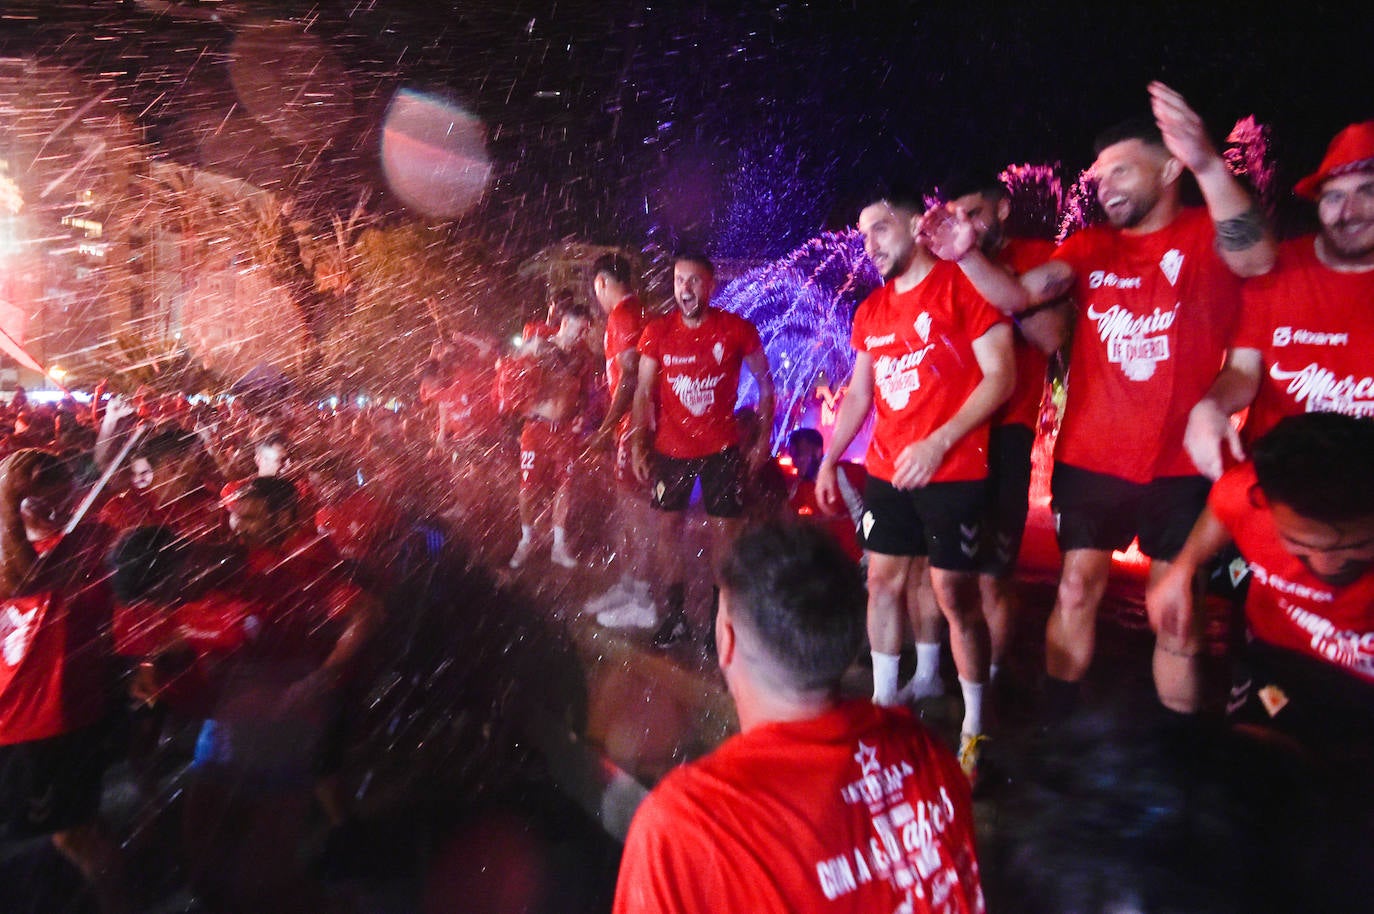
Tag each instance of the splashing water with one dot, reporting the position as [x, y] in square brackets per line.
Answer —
[803, 305]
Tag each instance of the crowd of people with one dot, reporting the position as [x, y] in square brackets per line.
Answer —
[228, 562]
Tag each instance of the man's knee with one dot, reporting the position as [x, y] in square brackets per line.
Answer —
[1081, 585]
[957, 594]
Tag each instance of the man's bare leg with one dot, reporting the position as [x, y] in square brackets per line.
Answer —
[928, 626]
[1071, 635]
[887, 589]
[957, 594]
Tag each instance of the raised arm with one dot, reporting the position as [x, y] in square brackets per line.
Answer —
[950, 235]
[1243, 237]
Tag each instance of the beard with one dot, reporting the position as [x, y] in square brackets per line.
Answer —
[1359, 247]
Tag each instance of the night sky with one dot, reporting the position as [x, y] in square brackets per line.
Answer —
[744, 128]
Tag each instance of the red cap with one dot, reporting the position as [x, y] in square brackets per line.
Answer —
[1352, 150]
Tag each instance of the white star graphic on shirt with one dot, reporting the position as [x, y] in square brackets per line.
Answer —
[867, 757]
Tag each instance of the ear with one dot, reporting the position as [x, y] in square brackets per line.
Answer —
[725, 634]
[1004, 209]
[1173, 169]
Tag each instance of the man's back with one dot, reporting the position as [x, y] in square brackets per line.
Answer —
[858, 809]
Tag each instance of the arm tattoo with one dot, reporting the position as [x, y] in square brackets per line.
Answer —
[1241, 232]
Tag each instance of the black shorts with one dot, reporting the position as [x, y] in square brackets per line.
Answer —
[50, 785]
[1325, 709]
[722, 482]
[1097, 511]
[943, 520]
[1009, 475]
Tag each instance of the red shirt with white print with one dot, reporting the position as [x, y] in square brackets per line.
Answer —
[1314, 329]
[1155, 315]
[1032, 365]
[698, 380]
[924, 369]
[857, 810]
[56, 673]
[1288, 606]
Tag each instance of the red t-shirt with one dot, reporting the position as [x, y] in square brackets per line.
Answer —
[1287, 606]
[924, 370]
[1314, 329]
[196, 515]
[1155, 315]
[844, 526]
[624, 325]
[301, 595]
[55, 647]
[698, 380]
[856, 810]
[468, 399]
[358, 524]
[1021, 255]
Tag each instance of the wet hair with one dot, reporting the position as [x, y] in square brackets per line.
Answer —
[560, 300]
[276, 493]
[166, 444]
[615, 266]
[143, 559]
[805, 435]
[1318, 465]
[791, 585]
[898, 194]
[39, 469]
[697, 258]
[1142, 127]
[964, 181]
[575, 308]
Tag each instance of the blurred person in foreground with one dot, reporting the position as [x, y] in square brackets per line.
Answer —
[820, 803]
[57, 675]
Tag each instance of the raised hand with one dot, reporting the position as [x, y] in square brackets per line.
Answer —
[1185, 135]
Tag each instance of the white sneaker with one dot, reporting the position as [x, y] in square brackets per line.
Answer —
[561, 557]
[920, 689]
[633, 614]
[618, 594]
[522, 553]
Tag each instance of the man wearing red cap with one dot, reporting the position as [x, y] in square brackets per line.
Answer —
[1306, 336]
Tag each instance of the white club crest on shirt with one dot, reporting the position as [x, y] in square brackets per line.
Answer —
[922, 326]
[718, 351]
[19, 634]
[1171, 263]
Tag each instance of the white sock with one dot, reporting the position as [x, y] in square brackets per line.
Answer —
[885, 678]
[927, 661]
[526, 533]
[973, 706]
[992, 672]
[559, 535]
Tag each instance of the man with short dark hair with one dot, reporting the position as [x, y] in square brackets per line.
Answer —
[612, 280]
[933, 359]
[684, 429]
[1157, 291]
[819, 804]
[982, 203]
[1301, 512]
[1306, 337]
